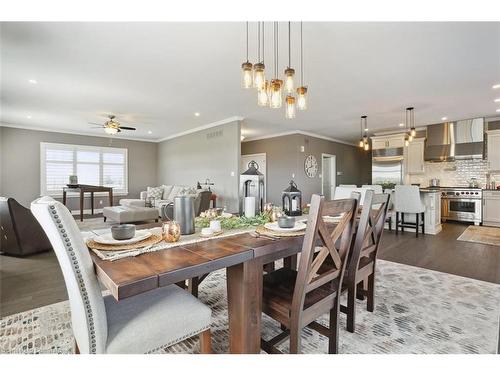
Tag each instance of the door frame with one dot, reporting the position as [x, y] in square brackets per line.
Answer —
[265, 176]
[334, 157]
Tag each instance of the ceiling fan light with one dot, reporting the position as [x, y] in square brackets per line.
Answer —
[259, 76]
[247, 75]
[290, 107]
[110, 130]
[302, 98]
[289, 84]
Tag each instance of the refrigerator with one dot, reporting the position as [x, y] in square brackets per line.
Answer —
[387, 171]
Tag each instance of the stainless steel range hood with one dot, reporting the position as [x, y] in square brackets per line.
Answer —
[449, 141]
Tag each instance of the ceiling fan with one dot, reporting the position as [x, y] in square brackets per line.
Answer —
[112, 126]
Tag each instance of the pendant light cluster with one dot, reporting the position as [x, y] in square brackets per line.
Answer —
[270, 92]
[411, 132]
[363, 137]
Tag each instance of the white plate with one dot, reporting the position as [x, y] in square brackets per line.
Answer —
[275, 227]
[107, 239]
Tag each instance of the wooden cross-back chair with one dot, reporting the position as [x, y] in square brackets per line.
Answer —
[297, 298]
[359, 280]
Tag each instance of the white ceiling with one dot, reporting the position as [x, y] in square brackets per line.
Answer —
[157, 75]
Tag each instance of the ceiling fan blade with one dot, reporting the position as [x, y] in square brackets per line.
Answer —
[127, 128]
[95, 123]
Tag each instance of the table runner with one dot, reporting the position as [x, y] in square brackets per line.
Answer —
[184, 240]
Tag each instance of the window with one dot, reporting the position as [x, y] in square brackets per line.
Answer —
[104, 166]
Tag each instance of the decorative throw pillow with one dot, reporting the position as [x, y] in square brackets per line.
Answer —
[155, 192]
[187, 191]
[166, 191]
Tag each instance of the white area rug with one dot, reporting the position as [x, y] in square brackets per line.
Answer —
[417, 311]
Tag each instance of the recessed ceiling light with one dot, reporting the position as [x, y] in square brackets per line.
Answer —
[150, 132]
[401, 124]
[366, 129]
[33, 81]
[497, 86]
[28, 117]
[497, 100]
[197, 114]
[444, 118]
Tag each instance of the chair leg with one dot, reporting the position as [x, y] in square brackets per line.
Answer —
[77, 349]
[402, 222]
[104, 218]
[423, 222]
[294, 339]
[359, 291]
[416, 224]
[206, 342]
[397, 222]
[390, 223]
[351, 308]
[333, 340]
[370, 305]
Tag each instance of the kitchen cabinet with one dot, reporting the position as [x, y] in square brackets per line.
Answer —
[389, 141]
[415, 156]
[493, 147]
[491, 208]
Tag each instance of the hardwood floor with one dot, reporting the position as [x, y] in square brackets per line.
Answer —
[27, 283]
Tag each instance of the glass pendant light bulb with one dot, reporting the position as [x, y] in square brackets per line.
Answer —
[361, 143]
[290, 107]
[413, 132]
[302, 98]
[407, 141]
[259, 76]
[247, 76]
[289, 84]
[410, 138]
[367, 146]
[276, 88]
[262, 95]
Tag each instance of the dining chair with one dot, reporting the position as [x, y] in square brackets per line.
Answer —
[359, 279]
[407, 200]
[139, 324]
[296, 298]
[377, 189]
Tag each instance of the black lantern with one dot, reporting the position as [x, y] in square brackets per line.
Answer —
[292, 200]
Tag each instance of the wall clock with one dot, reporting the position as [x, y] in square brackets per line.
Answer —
[311, 166]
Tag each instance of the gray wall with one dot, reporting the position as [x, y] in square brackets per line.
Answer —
[20, 163]
[212, 153]
[284, 158]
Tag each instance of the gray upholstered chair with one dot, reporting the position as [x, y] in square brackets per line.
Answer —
[138, 324]
[407, 201]
[377, 189]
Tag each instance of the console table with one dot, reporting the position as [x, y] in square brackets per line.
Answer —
[82, 189]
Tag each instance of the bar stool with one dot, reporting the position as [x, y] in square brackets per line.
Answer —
[407, 201]
[390, 210]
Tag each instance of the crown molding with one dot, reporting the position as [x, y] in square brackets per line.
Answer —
[301, 132]
[202, 127]
[62, 131]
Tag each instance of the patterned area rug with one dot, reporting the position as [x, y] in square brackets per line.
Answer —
[417, 311]
[484, 235]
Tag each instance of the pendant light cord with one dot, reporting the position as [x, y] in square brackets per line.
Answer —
[289, 46]
[301, 58]
[263, 42]
[258, 44]
[247, 41]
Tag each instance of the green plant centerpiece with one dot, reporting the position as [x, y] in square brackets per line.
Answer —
[235, 222]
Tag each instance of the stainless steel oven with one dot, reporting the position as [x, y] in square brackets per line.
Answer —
[461, 204]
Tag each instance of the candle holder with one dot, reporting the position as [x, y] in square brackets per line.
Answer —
[171, 231]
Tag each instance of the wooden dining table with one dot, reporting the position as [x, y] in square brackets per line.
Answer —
[243, 256]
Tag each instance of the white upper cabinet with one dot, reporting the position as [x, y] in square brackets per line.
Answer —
[415, 156]
[494, 150]
[389, 141]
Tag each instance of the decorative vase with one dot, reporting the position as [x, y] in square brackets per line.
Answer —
[171, 231]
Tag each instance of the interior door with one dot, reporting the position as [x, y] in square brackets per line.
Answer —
[328, 176]
[260, 160]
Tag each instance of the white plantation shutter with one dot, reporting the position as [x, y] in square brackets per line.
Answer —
[104, 166]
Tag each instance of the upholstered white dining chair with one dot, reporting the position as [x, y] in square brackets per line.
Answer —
[407, 200]
[348, 186]
[139, 324]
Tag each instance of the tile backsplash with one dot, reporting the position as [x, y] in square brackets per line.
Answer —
[456, 173]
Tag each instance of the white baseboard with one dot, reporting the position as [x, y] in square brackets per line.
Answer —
[87, 211]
